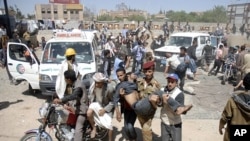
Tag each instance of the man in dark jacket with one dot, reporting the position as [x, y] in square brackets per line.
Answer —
[103, 39]
[43, 42]
[80, 95]
[208, 54]
[237, 110]
[106, 66]
[191, 51]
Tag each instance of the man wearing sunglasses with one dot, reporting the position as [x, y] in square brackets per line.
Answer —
[170, 121]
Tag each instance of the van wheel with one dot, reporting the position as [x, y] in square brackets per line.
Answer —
[31, 91]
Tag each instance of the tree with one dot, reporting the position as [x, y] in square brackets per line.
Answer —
[136, 18]
[217, 14]
[118, 19]
[15, 11]
[105, 17]
[19, 14]
[121, 7]
[31, 16]
[88, 14]
[177, 16]
[160, 12]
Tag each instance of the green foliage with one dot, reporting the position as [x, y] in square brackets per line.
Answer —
[31, 16]
[16, 11]
[118, 19]
[136, 18]
[104, 18]
[217, 14]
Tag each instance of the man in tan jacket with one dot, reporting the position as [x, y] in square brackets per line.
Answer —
[245, 68]
[237, 109]
[246, 63]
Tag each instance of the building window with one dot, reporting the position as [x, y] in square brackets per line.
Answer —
[71, 12]
[48, 11]
[65, 12]
[43, 11]
[55, 11]
[77, 12]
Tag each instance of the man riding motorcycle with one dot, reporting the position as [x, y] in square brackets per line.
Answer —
[79, 93]
[101, 106]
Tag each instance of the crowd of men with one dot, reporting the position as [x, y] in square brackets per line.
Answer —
[134, 91]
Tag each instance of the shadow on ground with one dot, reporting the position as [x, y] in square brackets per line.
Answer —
[189, 93]
[123, 137]
[6, 104]
[38, 95]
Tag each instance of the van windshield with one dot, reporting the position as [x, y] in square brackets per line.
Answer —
[180, 41]
[54, 52]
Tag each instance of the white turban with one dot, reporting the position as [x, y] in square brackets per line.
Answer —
[99, 77]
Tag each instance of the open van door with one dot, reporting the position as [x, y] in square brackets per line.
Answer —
[23, 64]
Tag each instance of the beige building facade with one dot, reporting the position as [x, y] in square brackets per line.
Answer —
[59, 11]
[123, 13]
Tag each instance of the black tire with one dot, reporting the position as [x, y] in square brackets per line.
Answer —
[27, 137]
[31, 90]
[224, 77]
[102, 133]
[223, 82]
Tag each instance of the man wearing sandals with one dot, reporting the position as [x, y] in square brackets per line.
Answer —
[101, 106]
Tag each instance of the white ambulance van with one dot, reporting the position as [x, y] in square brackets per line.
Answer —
[41, 75]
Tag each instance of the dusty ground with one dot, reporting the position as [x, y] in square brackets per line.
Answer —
[19, 110]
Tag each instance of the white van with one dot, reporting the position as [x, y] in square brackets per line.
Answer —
[42, 75]
[178, 40]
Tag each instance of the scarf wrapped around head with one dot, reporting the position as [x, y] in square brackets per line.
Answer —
[98, 77]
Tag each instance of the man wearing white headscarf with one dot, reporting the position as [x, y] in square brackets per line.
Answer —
[101, 109]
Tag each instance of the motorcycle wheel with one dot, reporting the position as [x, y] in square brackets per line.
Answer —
[33, 136]
[102, 133]
[224, 77]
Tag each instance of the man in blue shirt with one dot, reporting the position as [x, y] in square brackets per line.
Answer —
[138, 52]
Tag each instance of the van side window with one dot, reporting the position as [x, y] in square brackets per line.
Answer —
[202, 40]
[19, 53]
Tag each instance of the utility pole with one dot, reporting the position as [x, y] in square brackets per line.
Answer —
[7, 18]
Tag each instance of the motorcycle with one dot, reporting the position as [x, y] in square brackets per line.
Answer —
[62, 121]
